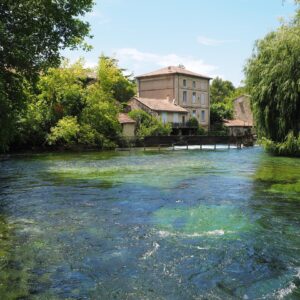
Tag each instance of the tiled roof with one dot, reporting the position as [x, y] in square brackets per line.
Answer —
[172, 70]
[161, 105]
[237, 123]
[125, 119]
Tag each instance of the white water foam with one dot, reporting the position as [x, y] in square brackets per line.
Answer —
[152, 251]
[282, 293]
[164, 234]
[204, 147]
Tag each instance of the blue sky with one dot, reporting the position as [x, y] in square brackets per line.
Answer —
[212, 37]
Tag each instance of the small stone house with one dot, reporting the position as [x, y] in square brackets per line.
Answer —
[163, 109]
[128, 125]
[243, 117]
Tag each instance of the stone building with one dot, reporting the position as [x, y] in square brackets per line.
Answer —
[128, 125]
[243, 117]
[182, 89]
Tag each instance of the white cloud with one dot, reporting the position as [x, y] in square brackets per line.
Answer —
[205, 41]
[140, 62]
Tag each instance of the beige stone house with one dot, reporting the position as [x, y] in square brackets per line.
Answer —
[243, 117]
[163, 109]
[128, 125]
[174, 95]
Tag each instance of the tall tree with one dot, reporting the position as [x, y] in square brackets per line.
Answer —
[273, 79]
[113, 80]
[220, 89]
[32, 33]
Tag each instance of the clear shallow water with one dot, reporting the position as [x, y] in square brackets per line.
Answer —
[172, 225]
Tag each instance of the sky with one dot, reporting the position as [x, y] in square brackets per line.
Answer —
[210, 37]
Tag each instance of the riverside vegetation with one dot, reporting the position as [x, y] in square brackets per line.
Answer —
[45, 101]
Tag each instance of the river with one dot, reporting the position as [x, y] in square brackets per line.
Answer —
[185, 224]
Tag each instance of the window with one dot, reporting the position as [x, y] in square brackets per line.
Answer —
[194, 97]
[194, 114]
[175, 118]
[202, 115]
[203, 85]
[203, 99]
[194, 84]
[184, 97]
[184, 82]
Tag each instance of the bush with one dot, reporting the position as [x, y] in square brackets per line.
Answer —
[192, 122]
[65, 132]
[290, 146]
[201, 130]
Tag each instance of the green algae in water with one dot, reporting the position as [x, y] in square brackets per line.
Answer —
[281, 174]
[202, 221]
[286, 188]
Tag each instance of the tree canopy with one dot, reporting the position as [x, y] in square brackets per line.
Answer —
[32, 34]
[113, 80]
[273, 80]
[220, 89]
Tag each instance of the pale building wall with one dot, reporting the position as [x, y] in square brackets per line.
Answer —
[242, 109]
[197, 99]
[160, 87]
[128, 129]
[172, 86]
[171, 118]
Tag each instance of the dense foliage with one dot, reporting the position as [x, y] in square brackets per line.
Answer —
[220, 111]
[273, 79]
[289, 147]
[147, 125]
[66, 109]
[113, 81]
[220, 89]
[32, 33]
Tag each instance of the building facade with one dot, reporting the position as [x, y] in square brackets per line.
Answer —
[180, 87]
[128, 125]
[243, 117]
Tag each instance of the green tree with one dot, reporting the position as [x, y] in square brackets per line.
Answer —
[220, 89]
[32, 34]
[63, 92]
[220, 111]
[113, 81]
[100, 114]
[65, 132]
[272, 77]
[60, 92]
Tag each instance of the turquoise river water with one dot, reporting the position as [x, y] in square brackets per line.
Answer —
[190, 224]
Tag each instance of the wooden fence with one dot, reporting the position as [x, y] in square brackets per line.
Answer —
[172, 141]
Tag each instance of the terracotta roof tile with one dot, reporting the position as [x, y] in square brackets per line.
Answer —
[237, 123]
[161, 105]
[125, 119]
[172, 70]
